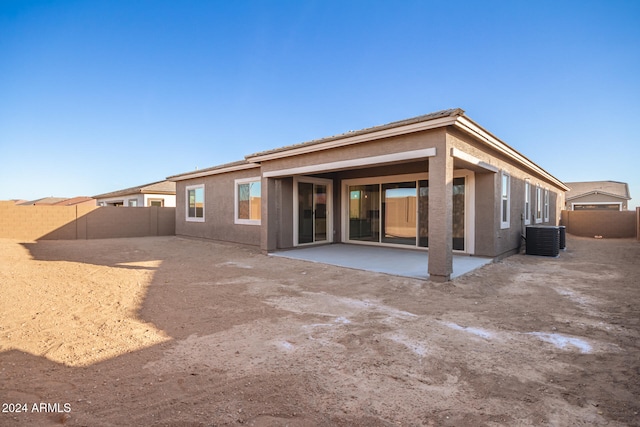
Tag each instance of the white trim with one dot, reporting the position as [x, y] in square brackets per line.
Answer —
[458, 154]
[345, 140]
[200, 174]
[597, 203]
[505, 223]
[346, 164]
[469, 209]
[237, 182]
[546, 202]
[187, 217]
[329, 184]
[539, 205]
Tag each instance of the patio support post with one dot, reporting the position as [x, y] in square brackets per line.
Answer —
[440, 215]
[269, 217]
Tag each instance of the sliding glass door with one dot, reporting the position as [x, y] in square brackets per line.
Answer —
[397, 212]
[313, 212]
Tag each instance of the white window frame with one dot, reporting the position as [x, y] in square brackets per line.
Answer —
[187, 217]
[527, 202]
[546, 205]
[236, 212]
[505, 197]
[538, 215]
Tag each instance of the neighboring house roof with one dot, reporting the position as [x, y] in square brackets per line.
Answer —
[44, 201]
[215, 170]
[57, 201]
[159, 187]
[609, 188]
[76, 201]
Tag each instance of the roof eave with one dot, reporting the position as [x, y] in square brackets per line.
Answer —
[470, 127]
[204, 173]
[346, 139]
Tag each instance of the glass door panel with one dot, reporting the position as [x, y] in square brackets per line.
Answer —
[305, 212]
[399, 213]
[458, 213]
[364, 212]
[423, 213]
[320, 212]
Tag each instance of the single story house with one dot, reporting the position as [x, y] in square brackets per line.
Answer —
[438, 182]
[160, 193]
[597, 195]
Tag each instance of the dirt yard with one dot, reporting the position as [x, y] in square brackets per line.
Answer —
[176, 332]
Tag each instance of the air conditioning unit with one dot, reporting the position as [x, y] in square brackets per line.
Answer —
[543, 240]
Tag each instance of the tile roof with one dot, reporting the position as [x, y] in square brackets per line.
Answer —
[612, 188]
[44, 201]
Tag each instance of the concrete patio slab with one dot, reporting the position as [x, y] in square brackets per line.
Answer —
[396, 261]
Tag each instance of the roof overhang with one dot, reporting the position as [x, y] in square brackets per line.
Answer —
[215, 171]
[470, 127]
[346, 140]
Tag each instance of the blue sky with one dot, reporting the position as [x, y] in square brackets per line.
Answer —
[96, 96]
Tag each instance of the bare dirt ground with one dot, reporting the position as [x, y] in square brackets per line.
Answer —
[177, 332]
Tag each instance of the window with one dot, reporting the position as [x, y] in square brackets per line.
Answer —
[132, 202]
[546, 205]
[505, 204]
[527, 202]
[538, 204]
[195, 203]
[248, 201]
[155, 202]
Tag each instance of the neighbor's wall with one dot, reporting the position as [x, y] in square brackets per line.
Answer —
[608, 224]
[83, 222]
[219, 214]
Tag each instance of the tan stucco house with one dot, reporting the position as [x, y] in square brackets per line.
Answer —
[439, 183]
[159, 193]
[597, 195]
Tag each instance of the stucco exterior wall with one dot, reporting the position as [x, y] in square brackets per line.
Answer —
[219, 210]
[504, 241]
[397, 144]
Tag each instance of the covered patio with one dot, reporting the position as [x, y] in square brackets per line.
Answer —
[395, 261]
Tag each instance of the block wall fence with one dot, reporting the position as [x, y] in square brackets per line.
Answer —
[84, 222]
[608, 224]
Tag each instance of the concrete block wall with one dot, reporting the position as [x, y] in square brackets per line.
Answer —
[83, 222]
[608, 224]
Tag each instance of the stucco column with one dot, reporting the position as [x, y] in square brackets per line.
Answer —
[440, 215]
[269, 216]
